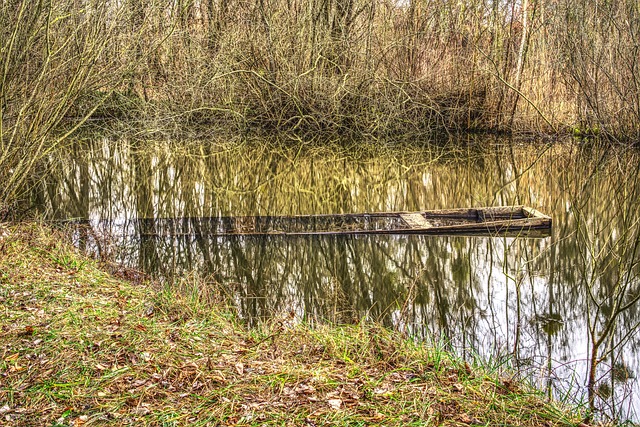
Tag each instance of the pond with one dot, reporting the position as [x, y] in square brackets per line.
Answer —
[544, 306]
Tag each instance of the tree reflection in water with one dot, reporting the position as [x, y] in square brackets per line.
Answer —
[548, 307]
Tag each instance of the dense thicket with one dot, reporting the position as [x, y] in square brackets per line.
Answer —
[309, 66]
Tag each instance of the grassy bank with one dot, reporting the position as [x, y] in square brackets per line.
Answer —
[81, 346]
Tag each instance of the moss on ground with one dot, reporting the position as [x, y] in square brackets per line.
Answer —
[82, 347]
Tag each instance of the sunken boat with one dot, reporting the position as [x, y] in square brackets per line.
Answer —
[489, 221]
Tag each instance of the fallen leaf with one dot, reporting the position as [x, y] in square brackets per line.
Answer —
[377, 416]
[464, 418]
[16, 368]
[467, 369]
[304, 389]
[334, 403]
[141, 410]
[81, 420]
[383, 391]
[239, 368]
[139, 383]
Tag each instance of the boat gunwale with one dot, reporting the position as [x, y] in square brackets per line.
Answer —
[501, 220]
[453, 213]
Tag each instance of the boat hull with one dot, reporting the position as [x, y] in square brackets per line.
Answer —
[492, 221]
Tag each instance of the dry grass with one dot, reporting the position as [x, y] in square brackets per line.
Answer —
[80, 347]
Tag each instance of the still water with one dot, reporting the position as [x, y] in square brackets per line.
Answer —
[544, 306]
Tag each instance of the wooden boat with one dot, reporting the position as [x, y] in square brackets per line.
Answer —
[489, 221]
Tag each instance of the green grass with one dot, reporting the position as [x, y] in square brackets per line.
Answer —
[82, 347]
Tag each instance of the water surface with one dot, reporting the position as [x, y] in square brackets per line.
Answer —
[536, 304]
